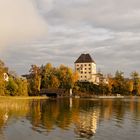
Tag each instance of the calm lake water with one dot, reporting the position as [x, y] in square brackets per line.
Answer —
[70, 119]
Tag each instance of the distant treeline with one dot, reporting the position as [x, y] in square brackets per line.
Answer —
[63, 77]
[117, 84]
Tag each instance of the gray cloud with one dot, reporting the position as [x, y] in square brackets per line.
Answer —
[116, 15]
[108, 30]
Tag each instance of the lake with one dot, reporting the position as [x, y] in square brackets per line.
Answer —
[70, 119]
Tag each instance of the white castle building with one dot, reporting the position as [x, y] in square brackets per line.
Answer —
[86, 68]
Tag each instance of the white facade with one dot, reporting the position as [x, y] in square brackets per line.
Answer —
[86, 68]
[87, 71]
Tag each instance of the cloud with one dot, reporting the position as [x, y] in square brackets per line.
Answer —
[19, 22]
[112, 14]
[107, 29]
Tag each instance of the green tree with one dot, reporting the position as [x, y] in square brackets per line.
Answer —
[12, 87]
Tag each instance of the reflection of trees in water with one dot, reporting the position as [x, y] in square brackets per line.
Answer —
[63, 113]
[2, 122]
[15, 108]
[12, 108]
[51, 113]
[135, 108]
[119, 108]
[112, 108]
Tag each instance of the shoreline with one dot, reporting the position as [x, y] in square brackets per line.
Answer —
[24, 97]
[76, 97]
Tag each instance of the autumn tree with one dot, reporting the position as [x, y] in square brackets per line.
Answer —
[130, 85]
[22, 86]
[57, 77]
[111, 82]
[12, 87]
[54, 82]
[120, 85]
[34, 80]
[46, 74]
[3, 69]
[136, 82]
[67, 77]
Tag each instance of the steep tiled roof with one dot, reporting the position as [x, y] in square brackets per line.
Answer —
[85, 58]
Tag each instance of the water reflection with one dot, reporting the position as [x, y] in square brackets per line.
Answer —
[87, 123]
[11, 109]
[79, 117]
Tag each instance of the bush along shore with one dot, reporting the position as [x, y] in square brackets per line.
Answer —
[61, 79]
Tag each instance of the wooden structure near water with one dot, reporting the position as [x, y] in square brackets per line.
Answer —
[54, 93]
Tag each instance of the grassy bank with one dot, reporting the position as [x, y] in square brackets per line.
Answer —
[23, 97]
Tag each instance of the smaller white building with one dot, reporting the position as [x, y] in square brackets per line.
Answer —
[6, 77]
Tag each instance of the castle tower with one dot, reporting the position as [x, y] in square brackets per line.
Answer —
[86, 67]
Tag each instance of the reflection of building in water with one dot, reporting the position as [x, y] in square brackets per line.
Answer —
[70, 102]
[5, 117]
[87, 125]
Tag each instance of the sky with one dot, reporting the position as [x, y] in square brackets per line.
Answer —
[58, 31]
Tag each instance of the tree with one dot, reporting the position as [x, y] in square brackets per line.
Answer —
[3, 70]
[34, 81]
[12, 87]
[130, 86]
[136, 81]
[54, 82]
[46, 73]
[110, 83]
[22, 87]
[120, 85]
[66, 77]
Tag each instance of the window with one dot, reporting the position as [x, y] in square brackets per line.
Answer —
[85, 72]
[89, 64]
[77, 65]
[89, 68]
[85, 68]
[85, 76]
[85, 64]
[81, 71]
[81, 76]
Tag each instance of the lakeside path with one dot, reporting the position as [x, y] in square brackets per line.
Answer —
[23, 97]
